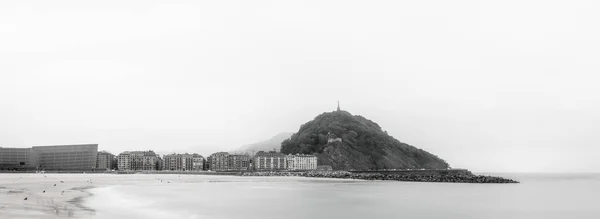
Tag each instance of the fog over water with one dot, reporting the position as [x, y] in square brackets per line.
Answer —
[540, 196]
[506, 86]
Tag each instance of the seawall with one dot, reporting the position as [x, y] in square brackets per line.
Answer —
[419, 172]
[435, 176]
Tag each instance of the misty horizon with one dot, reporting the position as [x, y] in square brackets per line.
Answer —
[486, 86]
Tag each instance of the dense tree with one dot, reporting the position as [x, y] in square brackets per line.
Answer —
[364, 145]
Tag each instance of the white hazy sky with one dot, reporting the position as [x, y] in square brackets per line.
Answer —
[487, 85]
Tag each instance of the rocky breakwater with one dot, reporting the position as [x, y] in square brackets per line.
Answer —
[450, 178]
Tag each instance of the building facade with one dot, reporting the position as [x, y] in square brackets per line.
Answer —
[219, 161]
[66, 157]
[57, 157]
[223, 161]
[198, 163]
[138, 160]
[105, 160]
[144, 160]
[123, 161]
[183, 162]
[239, 162]
[301, 162]
[207, 163]
[269, 161]
[159, 163]
[16, 159]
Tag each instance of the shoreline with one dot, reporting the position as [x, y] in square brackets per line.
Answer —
[69, 195]
[79, 201]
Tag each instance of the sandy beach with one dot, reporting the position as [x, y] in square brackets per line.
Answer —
[53, 195]
[28, 195]
[47, 195]
[109, 196]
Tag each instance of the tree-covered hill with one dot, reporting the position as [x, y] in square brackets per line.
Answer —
[364, 145]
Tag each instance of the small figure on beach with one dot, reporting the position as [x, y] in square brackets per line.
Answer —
[44, 191]
[25, 199]
[54, 184]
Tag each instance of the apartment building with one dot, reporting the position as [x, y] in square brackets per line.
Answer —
[301, 162]
[269, 161]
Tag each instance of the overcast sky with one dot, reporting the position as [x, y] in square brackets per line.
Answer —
[486, 85]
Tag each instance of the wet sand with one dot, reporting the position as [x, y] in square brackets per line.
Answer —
[61, 199]
[47, 195]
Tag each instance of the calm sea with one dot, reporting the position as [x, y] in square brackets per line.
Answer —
[538, 196]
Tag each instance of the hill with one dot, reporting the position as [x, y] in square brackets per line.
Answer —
[346, 142]
[267, 145]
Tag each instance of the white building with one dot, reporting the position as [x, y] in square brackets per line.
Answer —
[301, 162]
[270, 161]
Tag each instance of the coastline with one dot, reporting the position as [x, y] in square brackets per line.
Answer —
[437, 176]
[187, 196]
[56, 195]
[79, 201]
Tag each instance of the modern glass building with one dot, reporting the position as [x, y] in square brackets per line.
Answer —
[66, 157]
[58, 157]
[16, 158]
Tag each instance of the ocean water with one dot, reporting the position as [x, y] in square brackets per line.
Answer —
[537, 196]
